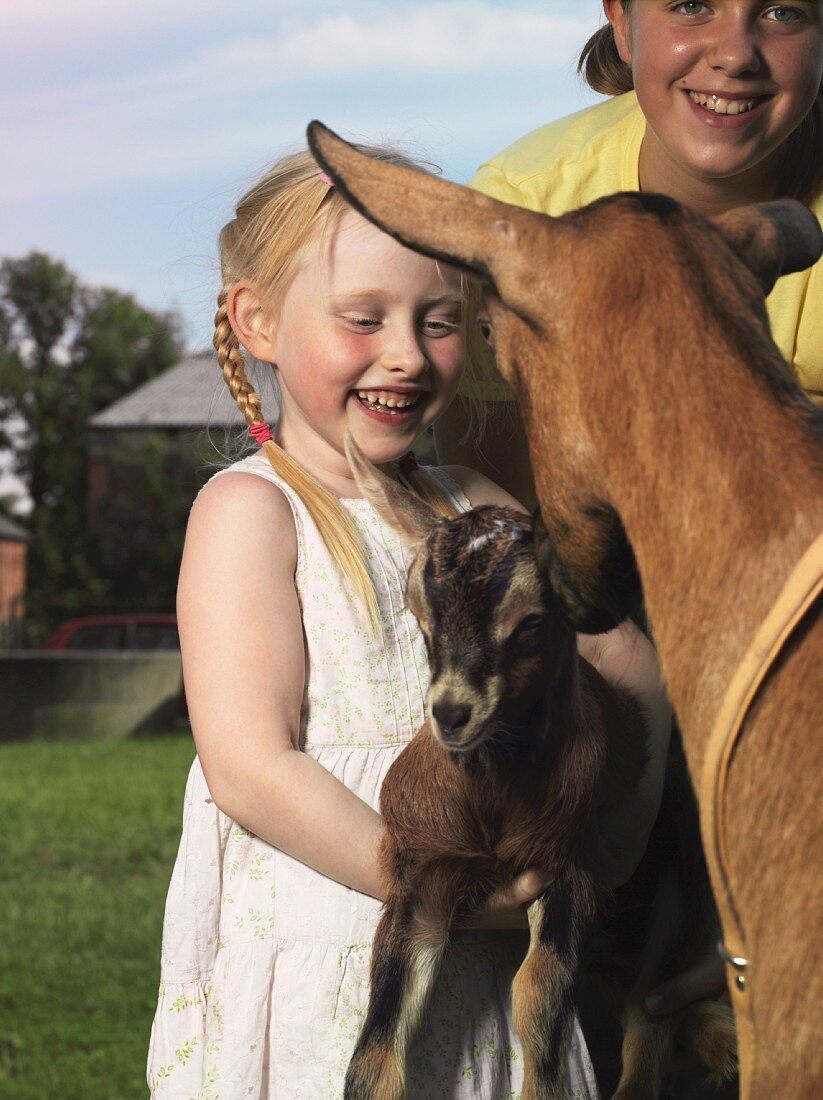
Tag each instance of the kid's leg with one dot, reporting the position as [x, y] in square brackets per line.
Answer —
[543, 988]
[406, 958]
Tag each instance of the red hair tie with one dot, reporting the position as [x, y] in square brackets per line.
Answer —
[407, 464]
[260, 433]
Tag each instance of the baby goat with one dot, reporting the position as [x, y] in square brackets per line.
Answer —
[524, 745]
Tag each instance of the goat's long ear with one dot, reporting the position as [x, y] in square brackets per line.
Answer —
[406, 513]
[773, 238]
[433, 216]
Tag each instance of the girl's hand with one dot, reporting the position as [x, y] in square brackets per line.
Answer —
[705, 979]
[506, 909]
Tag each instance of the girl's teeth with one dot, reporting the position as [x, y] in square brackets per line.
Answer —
[722, 106]
[387, 402]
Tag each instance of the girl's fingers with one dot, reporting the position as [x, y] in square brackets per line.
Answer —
[524, 889]
[705, 979]
[506, 909]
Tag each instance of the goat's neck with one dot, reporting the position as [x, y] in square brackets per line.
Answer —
[716, 524]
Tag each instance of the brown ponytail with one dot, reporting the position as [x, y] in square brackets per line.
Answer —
[602, 66]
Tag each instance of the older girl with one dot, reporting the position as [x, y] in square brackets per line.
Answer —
[715, 102]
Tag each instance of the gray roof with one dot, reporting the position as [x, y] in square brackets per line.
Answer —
[10, 532]
[191, 394]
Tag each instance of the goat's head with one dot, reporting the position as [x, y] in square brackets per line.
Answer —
[575, 308]
[496, 637]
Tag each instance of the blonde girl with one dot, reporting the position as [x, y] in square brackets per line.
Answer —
[305, 676]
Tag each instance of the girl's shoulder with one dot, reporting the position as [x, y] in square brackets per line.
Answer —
[571, 161]
[477, 489]
[249, 502]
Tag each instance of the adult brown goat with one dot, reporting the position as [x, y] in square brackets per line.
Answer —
[525, 747]
[666, 435]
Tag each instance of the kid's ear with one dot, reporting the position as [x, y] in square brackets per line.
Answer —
[251, 322]
[404, 512]
[773, 238]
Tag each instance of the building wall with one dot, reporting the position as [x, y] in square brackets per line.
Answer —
[12, 579]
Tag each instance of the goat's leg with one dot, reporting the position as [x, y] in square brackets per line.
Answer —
[648, 1042]
[543, 988]
[406, 958]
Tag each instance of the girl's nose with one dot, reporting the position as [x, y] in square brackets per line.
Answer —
[734, 49]
[405, 354]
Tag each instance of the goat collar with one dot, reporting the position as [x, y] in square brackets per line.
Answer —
[802, 588]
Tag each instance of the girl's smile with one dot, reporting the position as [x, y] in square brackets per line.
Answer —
[367, 338]
[722, 84]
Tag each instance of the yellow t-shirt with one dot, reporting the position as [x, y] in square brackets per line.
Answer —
[596, 152]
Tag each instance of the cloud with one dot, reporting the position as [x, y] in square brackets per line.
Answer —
[174, 119]
[56, 25]
[443, 37]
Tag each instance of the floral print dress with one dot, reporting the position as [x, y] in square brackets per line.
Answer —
[265, 962]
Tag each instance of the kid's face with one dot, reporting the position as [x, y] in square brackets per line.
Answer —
[722, 83]
[369, 338]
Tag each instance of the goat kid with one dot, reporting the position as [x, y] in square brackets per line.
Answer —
[523, 747]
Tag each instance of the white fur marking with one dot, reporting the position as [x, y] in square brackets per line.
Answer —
[420, 981]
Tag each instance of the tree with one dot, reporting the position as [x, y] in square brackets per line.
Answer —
[66, 351]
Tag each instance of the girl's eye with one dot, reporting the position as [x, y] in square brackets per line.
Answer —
[783, 14]
[438, 327]
[363, 322]
[691, 7]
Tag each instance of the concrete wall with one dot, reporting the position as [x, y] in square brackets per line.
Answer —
[88, 695]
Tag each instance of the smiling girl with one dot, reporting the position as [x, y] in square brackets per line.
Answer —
[714, 102]
[306, 676]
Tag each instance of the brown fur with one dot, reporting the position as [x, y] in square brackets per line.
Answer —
[519, 785]
[666, 432]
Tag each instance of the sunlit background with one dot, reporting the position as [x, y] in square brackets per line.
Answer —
[130, 128]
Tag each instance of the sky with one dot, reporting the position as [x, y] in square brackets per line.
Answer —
[129, 129]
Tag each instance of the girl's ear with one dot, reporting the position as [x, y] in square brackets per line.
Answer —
[618, 17]
[404, 512]
[251, 322]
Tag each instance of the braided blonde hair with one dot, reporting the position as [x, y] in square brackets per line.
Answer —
[284, 212]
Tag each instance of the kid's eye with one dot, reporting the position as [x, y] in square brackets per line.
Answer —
[690, 7]
[363, 322]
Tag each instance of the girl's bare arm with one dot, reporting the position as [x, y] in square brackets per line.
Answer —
[244, 669]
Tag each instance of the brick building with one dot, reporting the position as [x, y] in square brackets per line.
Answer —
[13, 550]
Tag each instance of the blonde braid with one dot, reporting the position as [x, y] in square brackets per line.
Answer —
[335, 525]
[232, 364]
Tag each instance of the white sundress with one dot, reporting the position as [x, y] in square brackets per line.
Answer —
[265, 962]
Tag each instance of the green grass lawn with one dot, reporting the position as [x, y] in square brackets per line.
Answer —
[89, 834]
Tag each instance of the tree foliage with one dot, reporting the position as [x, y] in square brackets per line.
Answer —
[66, 351]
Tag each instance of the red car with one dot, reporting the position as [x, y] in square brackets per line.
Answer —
[116, 632]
